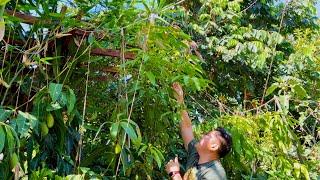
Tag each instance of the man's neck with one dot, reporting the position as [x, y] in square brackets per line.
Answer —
[207, 157]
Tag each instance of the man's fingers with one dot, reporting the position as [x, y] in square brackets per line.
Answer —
[177, 88]
[176, 85]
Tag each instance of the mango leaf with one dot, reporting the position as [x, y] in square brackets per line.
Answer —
[33, 121]
[273, 87]
[4, 114]
[305, 172]
[129, 130]
[71, 100]
[275, 38]
[300, 91]
[114, 129]
[53, 106]
[63, 99]
[75, 177]
[139, 137]
[47, 59]
[10, 140]
[124, 159]
[3, 2]
[297, 167]
[156, 157]
[159, 153]
[22, 126]
[2, 28]
[91, 38]
[2, 138]
[55, 91]
[142, 149]
[237, 142]
[27, 116]
[284, 102]
[261, 60]
[196, 83]
[151, 77]
[186, 80]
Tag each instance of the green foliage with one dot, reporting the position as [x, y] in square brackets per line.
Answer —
[66, 113]
[265, 145]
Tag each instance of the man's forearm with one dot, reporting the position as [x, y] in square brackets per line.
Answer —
[185, 123]
[185, 119]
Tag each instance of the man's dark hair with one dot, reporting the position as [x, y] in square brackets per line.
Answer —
[226, 145]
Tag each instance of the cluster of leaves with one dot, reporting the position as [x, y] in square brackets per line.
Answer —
[236, 53]
[245, 57]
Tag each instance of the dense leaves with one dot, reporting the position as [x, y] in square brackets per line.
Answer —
[86, 86]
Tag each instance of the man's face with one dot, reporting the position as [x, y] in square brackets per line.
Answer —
[210, 141]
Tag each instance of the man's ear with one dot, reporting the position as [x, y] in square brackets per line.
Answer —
[214, 147]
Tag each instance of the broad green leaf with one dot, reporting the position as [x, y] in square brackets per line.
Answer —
[46, 59]
[156, 157]
[305, 172]
[284, 102]
[297, 167]
[63, 101]
[159, 153]
[74, 177]
[261, 60]
[196, 83]
[114, 129]
[22, 126]
[186, 80]
[4, 114]
[27, 116]
[275, 38]
[91, 38]
[300, 91]
[139, 137]
[10, 140]
[71, 100]
[142, 149]
[237, 142]
[55, 91]
[151, 77]
[129, 130]
[2, 138]
[3, 2]
[2, 28]
[53, 106]
[273, 87]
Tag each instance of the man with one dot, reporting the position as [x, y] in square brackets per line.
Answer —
[203, 156]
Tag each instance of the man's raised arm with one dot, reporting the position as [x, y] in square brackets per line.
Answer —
[185, 123]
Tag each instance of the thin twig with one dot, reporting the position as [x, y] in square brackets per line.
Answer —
[200, 105]
[271, 63]
[78, 155]
[249, 6]
[135, 91]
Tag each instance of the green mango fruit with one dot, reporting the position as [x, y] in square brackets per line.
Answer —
[50, 120]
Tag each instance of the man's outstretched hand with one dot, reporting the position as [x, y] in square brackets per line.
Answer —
[178, 92]
[173, 166]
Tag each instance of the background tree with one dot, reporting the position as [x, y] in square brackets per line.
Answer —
[86, 86]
